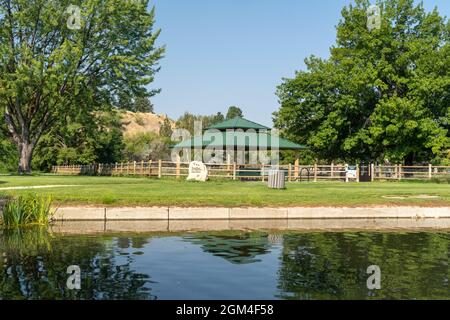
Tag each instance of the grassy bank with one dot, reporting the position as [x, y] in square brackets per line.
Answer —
[122, 191]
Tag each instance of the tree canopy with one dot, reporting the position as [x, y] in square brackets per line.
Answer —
[383, 94]
[135, 104]
[234, 112]
[54, 62]
[187, 121]
[81, 139]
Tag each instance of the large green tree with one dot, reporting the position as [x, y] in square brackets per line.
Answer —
[187, 121]
[234, 112]
[81, 139]
[135, 104]
[383, 94]
[54, 62]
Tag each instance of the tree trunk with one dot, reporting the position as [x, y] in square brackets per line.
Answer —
[25, 154]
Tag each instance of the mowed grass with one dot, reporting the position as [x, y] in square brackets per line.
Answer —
[130, 191]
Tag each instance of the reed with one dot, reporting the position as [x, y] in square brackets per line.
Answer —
[27, 210]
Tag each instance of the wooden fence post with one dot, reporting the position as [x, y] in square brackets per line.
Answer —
[150, 168]
[357, 172]
[134, 167]
[297, 169]
[290, 172]
[372, 172]
[399, 172]
[142, 168]
[159, 169]
[332, 170]
[178, 167]
[262, 173]
[346, 172]
[234, 170]
[315, 172]
[430, 171]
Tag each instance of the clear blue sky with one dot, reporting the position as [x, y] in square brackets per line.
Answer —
[235, 52]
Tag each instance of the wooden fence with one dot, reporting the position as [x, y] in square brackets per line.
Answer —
[233, 171]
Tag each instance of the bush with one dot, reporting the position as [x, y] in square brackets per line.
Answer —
[146, 146]
[441, 180]
[26, 210]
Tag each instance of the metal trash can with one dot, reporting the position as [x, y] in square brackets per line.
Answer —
[277, 179]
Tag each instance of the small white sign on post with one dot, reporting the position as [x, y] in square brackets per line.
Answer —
[351, 172]
[197, 171]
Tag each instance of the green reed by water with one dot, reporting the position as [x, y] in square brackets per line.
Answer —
[26, 210]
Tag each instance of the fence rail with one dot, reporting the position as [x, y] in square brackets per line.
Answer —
[233, 171]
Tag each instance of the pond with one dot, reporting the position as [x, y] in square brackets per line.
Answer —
[224, 265]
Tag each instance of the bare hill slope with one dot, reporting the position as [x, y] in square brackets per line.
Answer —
[135, 123]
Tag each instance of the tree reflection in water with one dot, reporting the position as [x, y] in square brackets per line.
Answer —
[237, 248]
[319, 265]
[333, 265]
[34, 264]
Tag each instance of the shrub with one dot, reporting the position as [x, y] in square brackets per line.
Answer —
[441, 180]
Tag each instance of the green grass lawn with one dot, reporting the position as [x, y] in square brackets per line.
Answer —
[117, 191]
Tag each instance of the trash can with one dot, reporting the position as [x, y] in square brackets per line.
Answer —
[277, 179]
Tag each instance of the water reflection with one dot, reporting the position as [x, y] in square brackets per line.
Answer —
[333, 265]
[34, 266]
[224, 265]
[238, 248]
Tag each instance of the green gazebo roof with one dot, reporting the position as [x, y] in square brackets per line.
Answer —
[237, 136]
[238, 123]
[239, 140]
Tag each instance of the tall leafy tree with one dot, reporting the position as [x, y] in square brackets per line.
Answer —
[146, 146]
[135, 104]
[81, 139]
[54, 62]
[383, 94]
[165, 129]
[143, 104]
[187, 121]
[215, 118]
[234, 112]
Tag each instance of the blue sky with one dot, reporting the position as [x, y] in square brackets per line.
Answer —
[235, 52]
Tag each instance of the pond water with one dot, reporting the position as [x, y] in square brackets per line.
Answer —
[224, 265]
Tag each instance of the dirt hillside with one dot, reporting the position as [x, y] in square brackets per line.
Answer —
[134, 123]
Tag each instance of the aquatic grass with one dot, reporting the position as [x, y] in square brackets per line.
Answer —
[26, 210]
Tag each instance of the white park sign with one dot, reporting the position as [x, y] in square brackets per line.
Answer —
[197, 171]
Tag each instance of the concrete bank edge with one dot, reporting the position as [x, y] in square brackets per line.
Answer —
[177, 213]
